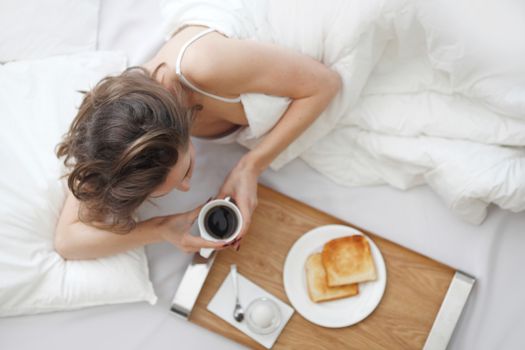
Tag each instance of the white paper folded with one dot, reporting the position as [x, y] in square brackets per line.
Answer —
[223, 302]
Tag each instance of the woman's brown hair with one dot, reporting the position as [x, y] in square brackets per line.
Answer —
[122, 144]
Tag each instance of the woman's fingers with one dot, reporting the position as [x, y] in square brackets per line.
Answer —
[196, 243]
[237, 245]
[246, 215]
[223, 193]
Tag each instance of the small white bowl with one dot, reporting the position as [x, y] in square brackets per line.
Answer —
[273, 308]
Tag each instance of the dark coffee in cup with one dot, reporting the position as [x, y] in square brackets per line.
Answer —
[220, 222]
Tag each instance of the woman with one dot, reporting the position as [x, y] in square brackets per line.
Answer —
[130, 140]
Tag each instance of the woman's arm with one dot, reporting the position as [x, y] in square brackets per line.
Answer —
[77, 240]
[241, 66]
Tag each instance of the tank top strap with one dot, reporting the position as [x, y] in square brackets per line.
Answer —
[187, 82]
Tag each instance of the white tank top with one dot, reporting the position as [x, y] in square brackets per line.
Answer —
[186, 82]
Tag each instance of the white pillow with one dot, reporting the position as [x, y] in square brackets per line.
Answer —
[35, 29]
[38, 100]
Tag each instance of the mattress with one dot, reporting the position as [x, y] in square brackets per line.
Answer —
[417, 219]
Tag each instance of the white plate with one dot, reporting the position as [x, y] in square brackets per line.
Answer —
[336, 313]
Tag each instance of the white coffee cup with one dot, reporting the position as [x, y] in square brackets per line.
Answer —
[206, 252]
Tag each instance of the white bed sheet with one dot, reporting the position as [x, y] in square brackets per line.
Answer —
[492, 252]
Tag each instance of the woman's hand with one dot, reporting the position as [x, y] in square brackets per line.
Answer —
[241, 186]
[176, 230]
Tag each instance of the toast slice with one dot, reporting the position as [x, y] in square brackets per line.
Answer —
[318, 290]
[348, 260]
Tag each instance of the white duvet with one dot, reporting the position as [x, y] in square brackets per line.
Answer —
[434, 91]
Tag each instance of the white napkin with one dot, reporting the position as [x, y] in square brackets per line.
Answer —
[223, 303]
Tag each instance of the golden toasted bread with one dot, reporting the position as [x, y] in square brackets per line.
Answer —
[348, 260]
[318, 290]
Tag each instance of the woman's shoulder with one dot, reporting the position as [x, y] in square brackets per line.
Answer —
[205, 56]
[206, 63]
[197, 60]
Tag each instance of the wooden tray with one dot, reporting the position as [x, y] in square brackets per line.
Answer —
[416, 285]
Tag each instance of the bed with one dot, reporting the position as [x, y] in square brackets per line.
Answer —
[491, 252]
